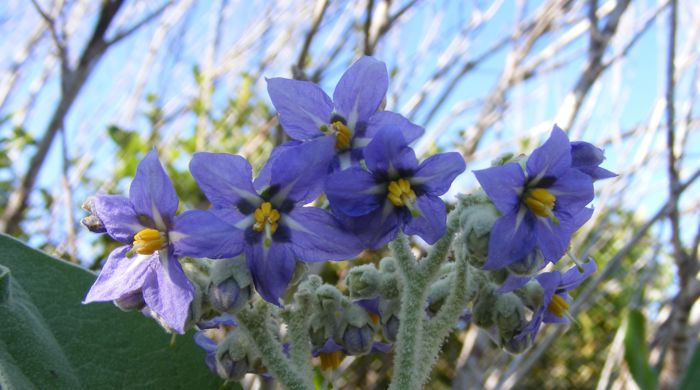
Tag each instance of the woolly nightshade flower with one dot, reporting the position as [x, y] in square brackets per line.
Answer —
[541, 206]
[556, 299]
[307, 114]
[267, 218]
[147, 266]
[395, 193]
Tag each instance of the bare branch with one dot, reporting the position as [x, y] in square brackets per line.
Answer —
[147, 19]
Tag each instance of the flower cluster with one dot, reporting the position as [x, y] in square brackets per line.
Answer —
[346, 147]
[347, 181]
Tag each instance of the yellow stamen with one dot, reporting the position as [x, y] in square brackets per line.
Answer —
[147, 241]
[558, 306]
[265, 215]
[343, 135]
[540, 201]
[400, 193]
[374, 317]
[330, 360]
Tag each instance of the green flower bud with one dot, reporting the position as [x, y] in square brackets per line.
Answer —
[483, 313]
[388, 265]
[391, 329]
[363, 282]
[510, 314]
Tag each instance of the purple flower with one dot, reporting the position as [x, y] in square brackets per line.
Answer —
[395, 192]
[541, 206]
[331, 354]
[587, 158]
[148, 264]
[267, 218]
[307, 114]
[212, 334]
[556, 300]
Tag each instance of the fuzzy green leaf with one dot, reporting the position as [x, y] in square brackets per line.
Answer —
[48, 339]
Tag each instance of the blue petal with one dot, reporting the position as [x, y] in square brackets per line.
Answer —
[573, 277]
[272, 269]
[152, 193]
[225, 179]
[262, 181]
[120, 275]
[303, 107]
[169, 293]
[355, 192]
[361, 90]
[552, 239]
[118, 216]
[573, 190]
[382, 119]
[430, 225]
[503, 184]
[513, 282]
[389, 153]
[435, 175]
[298, 173]
[552, 159]
[375, 229]
[549, 282]
[317, 236]
[512, 237]
[199, 233]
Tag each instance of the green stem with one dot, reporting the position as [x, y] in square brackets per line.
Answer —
[300, 344]
[255, 323]
[439, 327]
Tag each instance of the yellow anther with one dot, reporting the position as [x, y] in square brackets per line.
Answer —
[558, 306]
[343, 135]
[540, 201]
[330, 360]
[147, 241]
[400, 193]
[265, 215]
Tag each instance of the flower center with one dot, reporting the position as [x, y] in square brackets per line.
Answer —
[343, 135]
[266, 218]
[400, 193]
[148, 240]
[558, 306]
[330, 360]
[540, 201]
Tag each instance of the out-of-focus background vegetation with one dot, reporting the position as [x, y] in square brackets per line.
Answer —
[88, 87]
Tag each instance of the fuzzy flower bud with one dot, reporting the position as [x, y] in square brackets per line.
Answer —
[477, 218]
[483, 311]
[390, 329]
[131, 302]
[228, 296]
[363, 281]
[509, 314]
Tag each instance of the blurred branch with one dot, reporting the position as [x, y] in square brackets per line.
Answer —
[298, 69]
[125, 33]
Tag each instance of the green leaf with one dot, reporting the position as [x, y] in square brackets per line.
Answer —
[49, 340]
[636, 353]
[692, 373]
